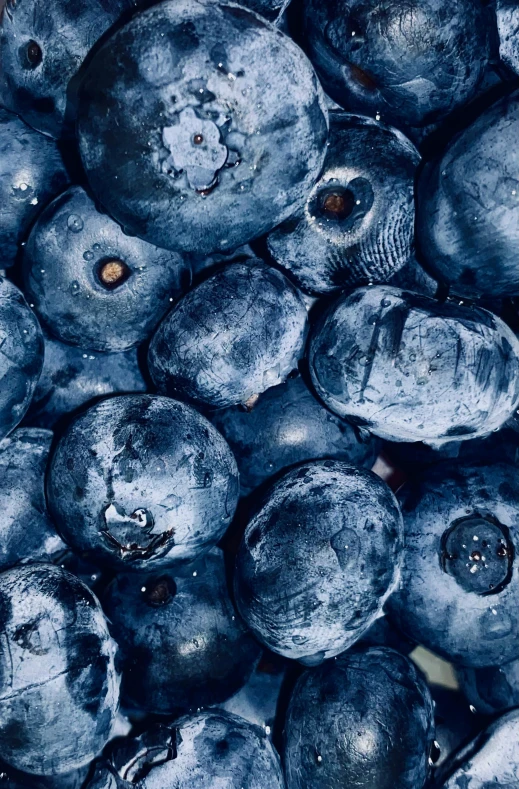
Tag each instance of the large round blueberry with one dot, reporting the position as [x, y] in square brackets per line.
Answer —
[21, 356]
[412, 369]
[240, 332]
[412, 63]
[507, 12]
[357, 224]
[287, 426]
[182, 643]
[93, 285]
[216, 126]
[140, 481]
[59, 691]
[491, 689]
[468, 207]
[31, 173]
[459, 583]
[364, 720]
[318, 560]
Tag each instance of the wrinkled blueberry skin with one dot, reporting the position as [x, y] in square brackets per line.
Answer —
[182, 643]
[369, 234]
[72, 377]
[31, 174]
[208, 750]
[216, 131]
[468, 207]
[507, 12]
[492, 689]
[62, 268]
[466, 615]
[141, 482]
[412, 63]
[318, 560]
[363, 720]
[21, 357]
[59, 688]
[288, 426]
[409, 368]
[235, 335]
[454, 722]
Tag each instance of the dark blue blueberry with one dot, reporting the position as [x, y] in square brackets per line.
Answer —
[459, 581]
[59, 690]
[357, 224]
[319, 559]
[468, 207]
[411, 63]
[140, 482]
[455, 723]
[507, 25]
[492, 689]
[235, 335]
[42, 46]
[21, 356]
[31, 173]
[216, 128]
[364, 720]
[92, 285]
[409, 368]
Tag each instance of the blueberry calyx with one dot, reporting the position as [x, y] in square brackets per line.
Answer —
[337, 203]
[160, 591]
[31, 55]
[112, 273]
[195, 148]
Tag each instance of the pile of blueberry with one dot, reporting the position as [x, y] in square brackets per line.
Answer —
[259, 394]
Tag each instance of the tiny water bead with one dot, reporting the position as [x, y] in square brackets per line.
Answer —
[88, 255]
[75, 223]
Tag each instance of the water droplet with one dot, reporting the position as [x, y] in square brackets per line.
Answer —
[97, 247]
[75, 287]
[75, 223]
[299, 639]
[385, 303]
[88, 255]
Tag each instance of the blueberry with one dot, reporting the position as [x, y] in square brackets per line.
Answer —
[318, 560]
[357, 224]
[182, 643]
[235, 335]
[42, 47]
[93, 285]
[288, 426]
[455, 723]
[409, 368]
[459, 582]
[21, 356]
[491, 689]
[140, 482]
[363, 720]
[507, 12]
[468, 207]
[59, 688]
[216, 129]
[411, 63]
[31, 174]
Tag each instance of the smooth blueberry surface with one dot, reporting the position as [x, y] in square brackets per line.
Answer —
[91, 284]
[216, 131]
[357, 224]
[21, 356]
[468, 207]
[363, 720]
[409, 368]
[141, 481]
[507, 12]
[59, 690]
[232, 337]
[183, 645]
[492, 689]
[455, 723]
[459, 581]
[209, 750]
[31, 174]
[318, 560]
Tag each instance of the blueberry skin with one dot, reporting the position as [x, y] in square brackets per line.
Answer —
[182, 643]
[66, 270]
[31, 174]
[217, 126]
[42, 48]
[412, 64]
[457, 518]
[59, 688]
[383, 633]
[235, 335]
[288, 426]
[21, 357]
[455, 723]
[72, 377]
[415, 278]
[468, 207]
[409, 368]
[318, 560]
[140, 482]
[357, 224]
[492, 689]
[507, 12]
[363, 720]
